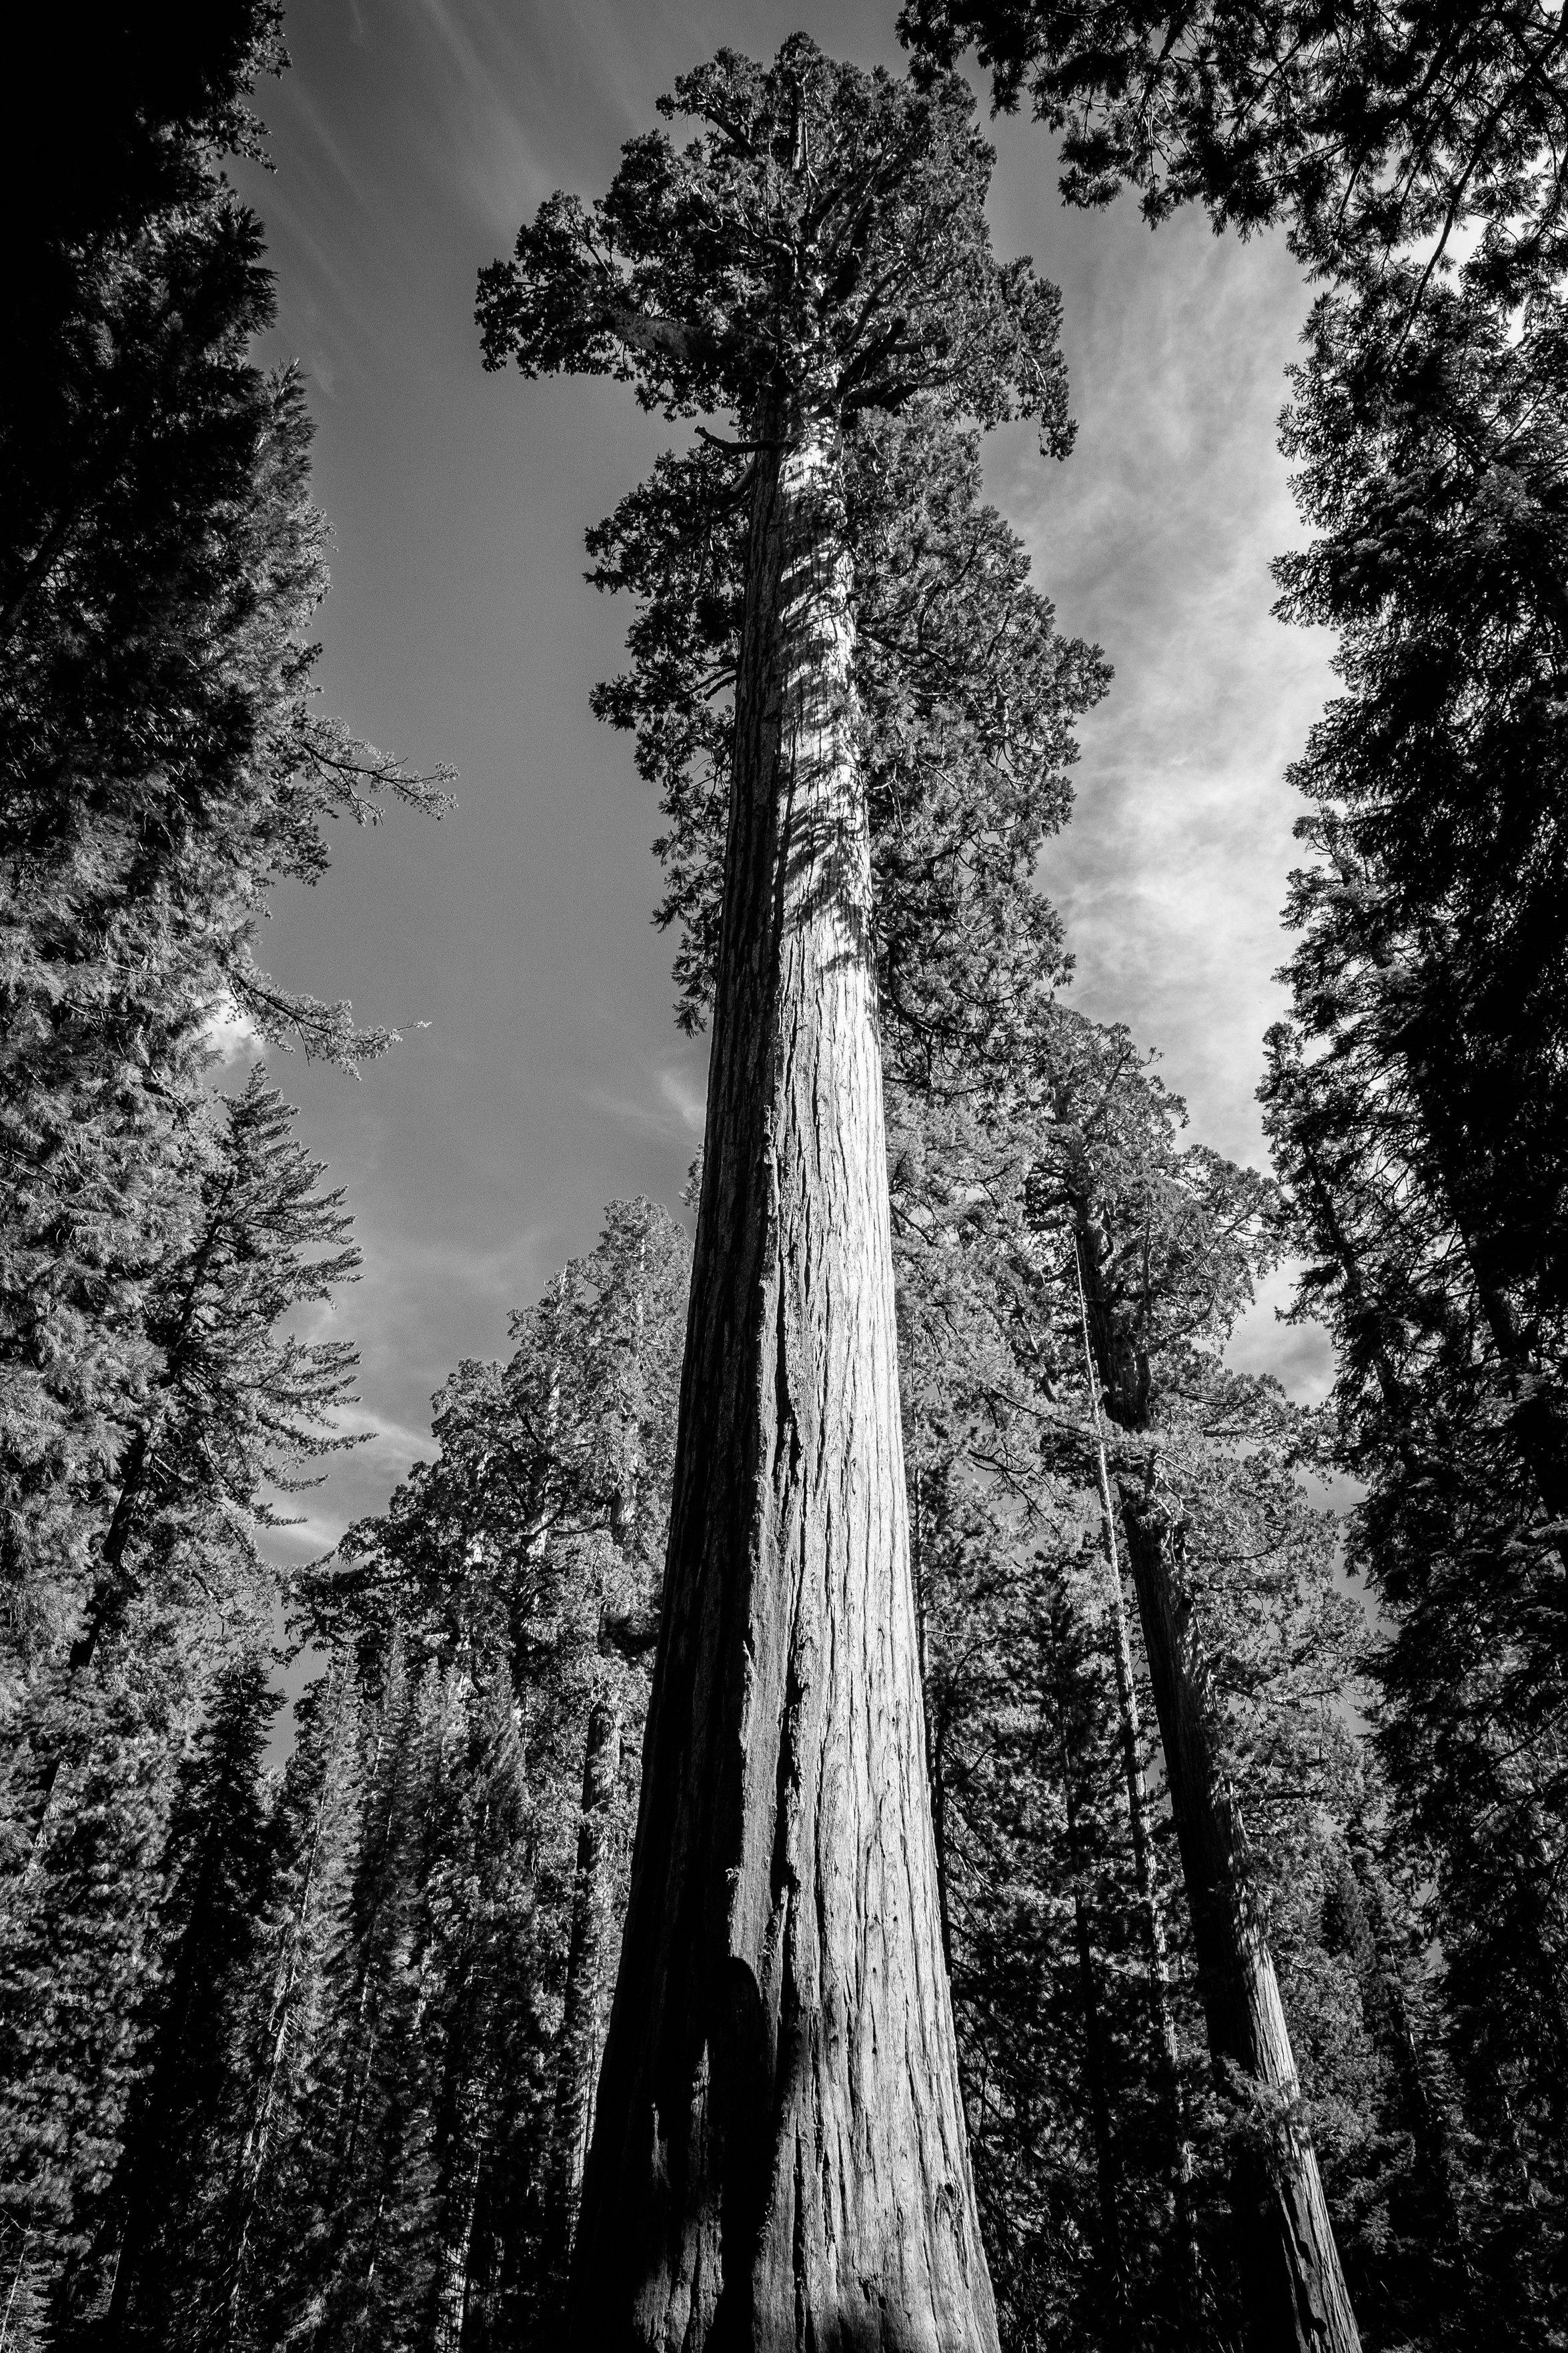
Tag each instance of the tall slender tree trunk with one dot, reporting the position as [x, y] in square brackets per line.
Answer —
[1186, 2286]
[1293, 2287]
[583, 2018]
[1294, 2290]
[779, 2155]
[450, 2300]
[935, 1738]
[1096, 2072]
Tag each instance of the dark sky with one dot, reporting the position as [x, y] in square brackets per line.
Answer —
[409, 139]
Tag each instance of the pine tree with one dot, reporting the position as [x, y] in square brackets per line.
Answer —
[313, 1826]
[164, 766]
[234, 1408]
[230, 1407]
[1415, 1102]
[1130, 1223]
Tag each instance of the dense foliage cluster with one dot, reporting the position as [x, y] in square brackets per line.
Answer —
[1418, 1109]
[163, 767]
[1366, 129]
[966, 696]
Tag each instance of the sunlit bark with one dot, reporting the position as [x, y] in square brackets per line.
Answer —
[779, 2153]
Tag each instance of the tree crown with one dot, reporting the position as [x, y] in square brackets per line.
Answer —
[821, 248]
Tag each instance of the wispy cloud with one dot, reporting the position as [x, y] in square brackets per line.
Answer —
[1156, 540]
[676, 1101]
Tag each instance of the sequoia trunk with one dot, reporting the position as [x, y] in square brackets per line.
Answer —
[779, 2153]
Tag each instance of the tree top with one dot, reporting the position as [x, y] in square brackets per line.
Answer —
[820, 247]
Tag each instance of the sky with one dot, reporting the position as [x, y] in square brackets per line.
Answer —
[541, 1074]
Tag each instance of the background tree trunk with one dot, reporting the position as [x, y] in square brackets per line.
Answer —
[1105, 2170]
[583, 2020]
[779, 2153]
[1187, 2283]
[1293, 2289]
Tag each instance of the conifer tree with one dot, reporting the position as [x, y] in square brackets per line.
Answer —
[987, 1255]
[422, 2035]
[168, 2240]
[165, 766]
[235, 1408]
[447, 2220]
[819, 252]
[313, 1826]
[1130, 1226]
[1416, 1109]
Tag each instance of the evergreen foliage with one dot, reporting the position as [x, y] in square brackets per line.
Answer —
[397, 2053]
[967, 698]
[1095, 2240]
[310, 2056]
[1368, 130]
[184, 1599]
[163, 767]
[1415, 1100]
[1416, 1108]
[407, 2190]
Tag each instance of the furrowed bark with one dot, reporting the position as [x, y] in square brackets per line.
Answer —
[779, 2154]
[581, 2022]
[1293, 2289]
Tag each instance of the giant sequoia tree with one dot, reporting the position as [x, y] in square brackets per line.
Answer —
[779, 2142]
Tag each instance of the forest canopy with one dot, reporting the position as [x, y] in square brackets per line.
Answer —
[872, 1774]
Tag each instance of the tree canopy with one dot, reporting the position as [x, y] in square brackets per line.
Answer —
[1369, 131]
